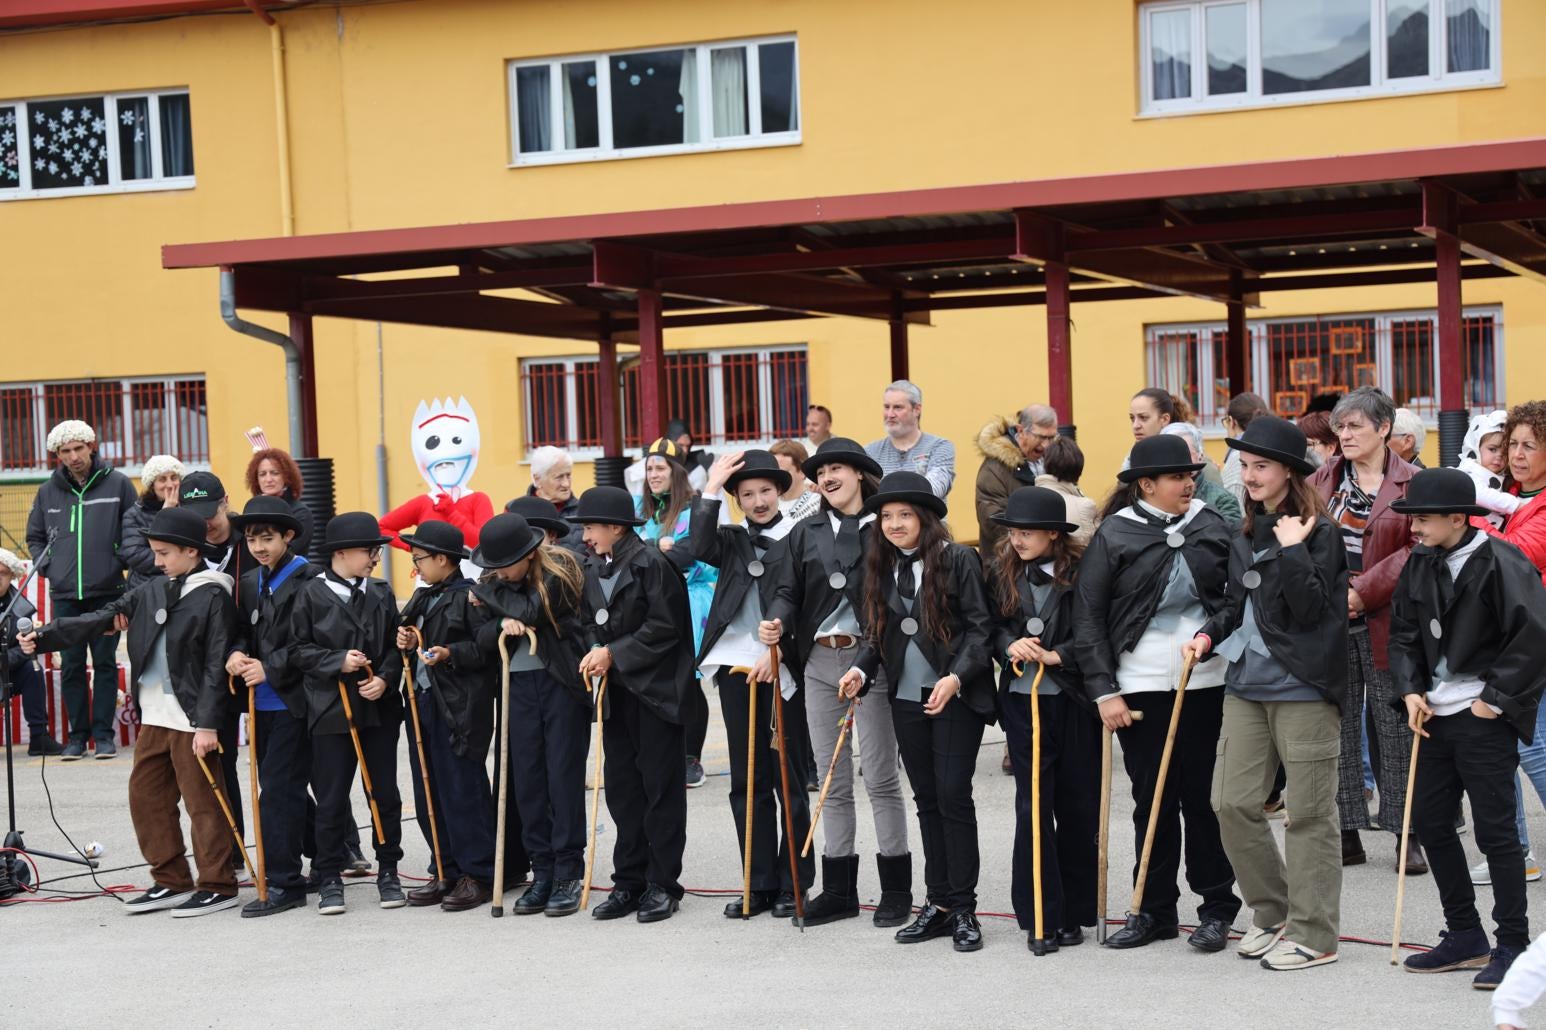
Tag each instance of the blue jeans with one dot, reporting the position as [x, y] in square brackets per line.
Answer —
[1532, 762]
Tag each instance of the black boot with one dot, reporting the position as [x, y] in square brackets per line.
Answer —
[896, 889]
[839, 897]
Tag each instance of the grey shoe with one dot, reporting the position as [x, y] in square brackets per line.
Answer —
[74, 751]
[106, 749]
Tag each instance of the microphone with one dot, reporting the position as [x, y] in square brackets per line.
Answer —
[24, 626]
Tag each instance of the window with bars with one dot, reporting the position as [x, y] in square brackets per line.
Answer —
[133, 419]
[104, 143]
[1291, 360]
[725, 397]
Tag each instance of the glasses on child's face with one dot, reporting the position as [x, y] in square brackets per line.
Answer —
[374, 552]
[418, 558]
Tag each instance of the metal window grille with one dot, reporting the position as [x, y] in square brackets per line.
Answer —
[133, 419]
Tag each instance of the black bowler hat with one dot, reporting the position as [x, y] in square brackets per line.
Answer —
[1439, 492]
[843, 451]
[178, 526]
[1036, 507]
[607, 505]
[201, 493]
[1277, 438]
[538, 512]
[437, 538]
[759, 464]
[267, 511]
[909, 488]
[352, 529]
[504, 540]
[1158, 456]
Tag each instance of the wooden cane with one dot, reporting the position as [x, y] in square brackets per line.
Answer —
[225, 807]
[497, 903]
[595, 799]
[783, 775]
[751, 786]
[418, 740]
[1159, 786]
[821, 799]
[1105, 827]
[1406, 827]
[1038, 942]
[260, 876]
[359, 754]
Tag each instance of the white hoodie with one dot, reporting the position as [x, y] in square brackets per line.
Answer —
[1489, 492]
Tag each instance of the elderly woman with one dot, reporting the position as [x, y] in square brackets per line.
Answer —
[271, 472]
[1358, 488]
[162, 477]
[552, 480]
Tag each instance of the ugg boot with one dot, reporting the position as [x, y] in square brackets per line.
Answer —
[896, 889]
[839, 897]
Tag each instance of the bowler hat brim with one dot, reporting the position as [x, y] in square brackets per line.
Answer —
[854, 459]
[177, 539]
[276, 519]
[412, 541]
[1013, 523]
[329, 546]
[1298, 462]
[779, 477]
[1133, 474]
[485, 561]
[916, 498]
[604, 520]
[1407, 508]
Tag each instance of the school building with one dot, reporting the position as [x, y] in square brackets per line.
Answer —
[586, 218]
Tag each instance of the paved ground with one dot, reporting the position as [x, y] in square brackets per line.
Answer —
[419, 968]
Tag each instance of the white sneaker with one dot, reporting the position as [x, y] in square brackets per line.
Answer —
[202, 903]
[1481, 876]
[156, 899]
[1287, 955]
[1257, 941]
[1532, 868]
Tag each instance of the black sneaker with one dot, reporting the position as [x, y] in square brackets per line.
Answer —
[330, 898]
[156, 899]
[203, 903]
[1492, 974]
[280, 899]
[74, 751]
[44, 745]
[1464, 950]
[106, 749]
[390, 889]
[695, 775]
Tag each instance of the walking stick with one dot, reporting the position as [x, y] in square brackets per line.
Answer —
[595, 799]
[1038, 942]
[783, 775]
[497, 903]
[359, 754]
[418, 740]
[1406, 826]
[225, 807]
[259, 875]
[1105, 828]
[821, 799]
[751, 785]
[1159, 786]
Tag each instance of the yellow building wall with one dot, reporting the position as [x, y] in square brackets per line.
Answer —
[400, 114]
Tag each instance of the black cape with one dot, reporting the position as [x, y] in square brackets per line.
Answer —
[729, 549]
[262, 631]
[462, 689]
[322, 628]
[1057, 634]
[560, 640]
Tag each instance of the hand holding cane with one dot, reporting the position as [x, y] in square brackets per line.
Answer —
[821, 799]
[1159, 786]
[1406, 827]
[1105, 828]
[259, 871]
[418, 740]
[595, 798]
[230, 819]
[359, 754]
[783, 775]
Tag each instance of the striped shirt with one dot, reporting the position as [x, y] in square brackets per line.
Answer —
[1350, 508]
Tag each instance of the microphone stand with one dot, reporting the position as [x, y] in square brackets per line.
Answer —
[14, 871]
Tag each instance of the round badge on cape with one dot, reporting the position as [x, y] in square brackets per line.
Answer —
[1034, 626]
[1436, 628]
[160, 616]
[837, 581]
[1175, 540]
[1251, 579]
[602, 615]
[756, 568]
[254, 616]
[910, 626]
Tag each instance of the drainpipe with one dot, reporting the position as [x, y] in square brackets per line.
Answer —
[281, 118]
[292, 357]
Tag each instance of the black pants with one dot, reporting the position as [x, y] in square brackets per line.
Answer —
[940, 754]
[464, 804]
[549, 735]
[91, 717]
[1478, 757]
[333, 769]
[1070, 811]
[284, 767]
[1188, 796]
[696, 730]
[229, 734]
[770, 850]
[27, 682]
[646, 794]
[517, 862]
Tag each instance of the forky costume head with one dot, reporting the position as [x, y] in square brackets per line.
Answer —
[445, 445]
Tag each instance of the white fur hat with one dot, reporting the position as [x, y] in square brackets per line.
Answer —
[9, 560]
[71, 430]
[158, 465]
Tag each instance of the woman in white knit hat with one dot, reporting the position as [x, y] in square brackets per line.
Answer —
[162, 475]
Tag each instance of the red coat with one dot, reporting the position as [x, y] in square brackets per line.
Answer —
[1525, 529]
[467, 514]
[1387, 543]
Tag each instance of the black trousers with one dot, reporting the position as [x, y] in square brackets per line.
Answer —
[464, 804]
[549, 736]
[1070, 811]
[696, 731]
[90, 716]
[1187, 796]
[284, 767]
[517, 862]
[1478, 757]
[770, 849]
[27, 683]
[940, 755]
[229, 734]
[333, 769]
[646, 795]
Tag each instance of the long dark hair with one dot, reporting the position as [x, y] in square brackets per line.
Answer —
[880, 568]
[667, 507]
[1302, 501]
[1006, 568]
[1123, 495]
[869, 485]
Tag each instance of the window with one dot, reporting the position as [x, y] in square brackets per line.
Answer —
[95, 144]
[133, 419]
[745, 397]
[709, 96]
[1202, 55]
[1293, 359]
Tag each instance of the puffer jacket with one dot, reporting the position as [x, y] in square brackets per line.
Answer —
[1004, 470]
[86, 523]
[134, 550]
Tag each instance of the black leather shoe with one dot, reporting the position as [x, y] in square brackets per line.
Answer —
[932, 922]
[966, 932]
[783, 905]
[535, 900]
[280, 899]
[618, 904]
[760, 903]
[656, 905]
[1210, 935]
[565, 899]
[1352, 849]
[1141, 929]
[1047, 945]
[1070, 937]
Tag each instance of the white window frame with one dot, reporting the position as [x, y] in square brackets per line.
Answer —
[715, 358]
[125, 384]
[1256, 329]
[115, 183]
[755, 137]
[1436, 81]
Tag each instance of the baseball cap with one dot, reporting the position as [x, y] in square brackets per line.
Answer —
[201, 493]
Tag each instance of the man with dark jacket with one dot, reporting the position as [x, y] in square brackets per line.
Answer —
[1011, 458]
[80, 509]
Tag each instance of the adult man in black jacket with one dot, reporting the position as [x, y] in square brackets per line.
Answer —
[80, 509]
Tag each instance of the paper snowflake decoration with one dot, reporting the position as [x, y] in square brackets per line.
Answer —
[67, 115]
[98, 126]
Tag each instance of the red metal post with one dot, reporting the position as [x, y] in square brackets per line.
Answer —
[1451, 346]
[1060, 375]
[608, 397]
[1237, 349]
[652, 366]
[899, 347]
[300, 333]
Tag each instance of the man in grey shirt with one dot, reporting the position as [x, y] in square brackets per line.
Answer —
[906, 446]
